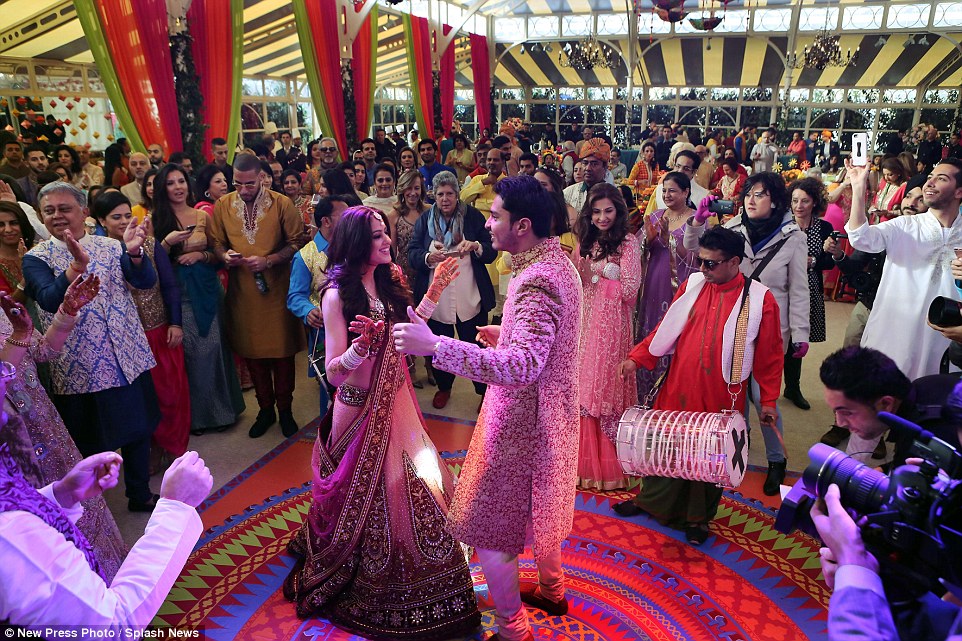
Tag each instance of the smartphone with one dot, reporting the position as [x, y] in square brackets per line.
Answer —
[190, 227]
[452, 253]
[860, 149]
[723, 207]
[958, 252]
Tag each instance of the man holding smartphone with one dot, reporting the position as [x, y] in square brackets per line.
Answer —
[255, 232]
[919, 251]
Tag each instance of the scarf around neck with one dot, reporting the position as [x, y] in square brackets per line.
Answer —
[451, 233]
[761, 229]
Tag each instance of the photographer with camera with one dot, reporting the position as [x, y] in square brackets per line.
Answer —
[860, 382]
[897, 533]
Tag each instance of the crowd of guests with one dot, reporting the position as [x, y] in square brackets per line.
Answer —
[140, 297]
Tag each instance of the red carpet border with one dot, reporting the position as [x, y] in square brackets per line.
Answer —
[626, 578]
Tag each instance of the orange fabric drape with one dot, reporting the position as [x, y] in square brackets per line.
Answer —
[127, 51]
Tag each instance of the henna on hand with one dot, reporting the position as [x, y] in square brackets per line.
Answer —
[80, 292]
[18, 316]
[444, 275]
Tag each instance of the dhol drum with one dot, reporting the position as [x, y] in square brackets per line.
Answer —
[697, 446]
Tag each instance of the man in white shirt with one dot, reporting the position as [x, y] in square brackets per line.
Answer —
[47, 579]
[94, 172]
[764, 154]
[594, 156]
[919, 251]
[139, 164]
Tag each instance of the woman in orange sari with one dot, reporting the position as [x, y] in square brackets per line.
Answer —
[376, 558]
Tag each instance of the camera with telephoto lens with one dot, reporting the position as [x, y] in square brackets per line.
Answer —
[909, 520]
[722, 207]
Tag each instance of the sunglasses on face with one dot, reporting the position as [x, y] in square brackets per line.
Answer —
[710, 265]
[328, 150]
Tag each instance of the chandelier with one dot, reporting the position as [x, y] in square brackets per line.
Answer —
[585, 55]
[824, 52]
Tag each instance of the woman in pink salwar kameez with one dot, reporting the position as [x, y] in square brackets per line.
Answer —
[609, 261]
[376, 558]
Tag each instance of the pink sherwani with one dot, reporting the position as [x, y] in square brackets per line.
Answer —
[522, 463]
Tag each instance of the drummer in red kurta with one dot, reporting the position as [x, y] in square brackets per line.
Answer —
[517, 486]
[700, 327]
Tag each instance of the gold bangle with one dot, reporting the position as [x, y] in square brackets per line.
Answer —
[10, 340]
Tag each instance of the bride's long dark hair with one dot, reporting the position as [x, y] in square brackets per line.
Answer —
[349, 253]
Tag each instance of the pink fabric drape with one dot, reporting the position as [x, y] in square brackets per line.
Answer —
[151, 17]
[213, 52]
[481, 70]
[447, 85]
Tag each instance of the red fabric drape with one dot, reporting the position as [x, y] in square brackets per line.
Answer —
[130, 60]
[151, 17]
[481, 70]
[325, 25]
[363, 60]
[212, 48]
[421, 31]
[447, 84]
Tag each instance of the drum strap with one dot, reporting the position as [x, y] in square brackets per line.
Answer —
[741, 334]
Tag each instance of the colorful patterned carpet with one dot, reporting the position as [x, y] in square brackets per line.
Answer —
[627, 578]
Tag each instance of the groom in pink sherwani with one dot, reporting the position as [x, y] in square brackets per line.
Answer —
[517, 486]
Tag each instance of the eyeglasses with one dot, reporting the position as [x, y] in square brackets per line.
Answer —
[253, 183]
[327, 150]
[756, 195]
[685, 169]
[710, 265]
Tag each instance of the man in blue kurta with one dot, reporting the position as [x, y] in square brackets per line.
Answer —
[101, 382]
[307, 276]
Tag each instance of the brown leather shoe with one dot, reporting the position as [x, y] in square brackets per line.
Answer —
[441, 399]
[834, 436]
[531, 595]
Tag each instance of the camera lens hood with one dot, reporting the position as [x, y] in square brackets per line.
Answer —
[945, 312]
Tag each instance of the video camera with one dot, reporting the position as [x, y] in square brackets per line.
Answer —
[910, 519]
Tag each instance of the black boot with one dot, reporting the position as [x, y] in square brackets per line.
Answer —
[265, 418]
[795, 396]
[776, 474]
[288, 424]
[793, 375]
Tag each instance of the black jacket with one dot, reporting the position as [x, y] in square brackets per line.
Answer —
[474, 230]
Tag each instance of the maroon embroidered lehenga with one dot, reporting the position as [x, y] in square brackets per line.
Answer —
[376, 557]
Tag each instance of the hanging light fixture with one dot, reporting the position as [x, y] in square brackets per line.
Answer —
[586, 54]
[824, 52]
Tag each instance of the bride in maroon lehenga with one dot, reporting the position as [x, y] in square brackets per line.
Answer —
[376, 557]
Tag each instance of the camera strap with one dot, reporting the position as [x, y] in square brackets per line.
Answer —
[757, 274]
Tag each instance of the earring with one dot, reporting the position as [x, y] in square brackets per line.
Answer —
[207, 193]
